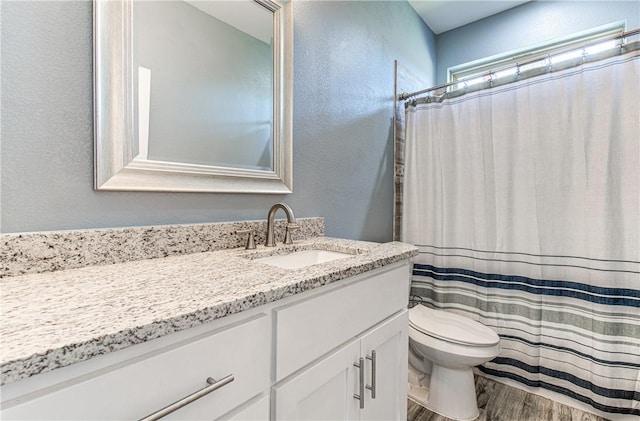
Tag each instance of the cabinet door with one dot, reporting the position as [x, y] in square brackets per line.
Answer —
[323, 391]
[390, 343]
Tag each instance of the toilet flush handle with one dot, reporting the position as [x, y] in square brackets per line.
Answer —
[372, 387]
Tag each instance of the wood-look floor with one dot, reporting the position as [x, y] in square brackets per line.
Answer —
[499, 402]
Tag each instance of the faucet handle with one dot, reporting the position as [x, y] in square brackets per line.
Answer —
[291, 226]
[251, 242]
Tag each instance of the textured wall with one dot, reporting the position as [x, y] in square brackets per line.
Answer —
[343, 93]
[527, 25]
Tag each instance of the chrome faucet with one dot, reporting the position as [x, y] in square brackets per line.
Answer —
[291, 224]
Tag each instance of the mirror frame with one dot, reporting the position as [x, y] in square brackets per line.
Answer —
[116, 164]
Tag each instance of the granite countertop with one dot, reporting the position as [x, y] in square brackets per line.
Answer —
[52, 320]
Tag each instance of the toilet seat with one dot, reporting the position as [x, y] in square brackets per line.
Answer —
[451, 327]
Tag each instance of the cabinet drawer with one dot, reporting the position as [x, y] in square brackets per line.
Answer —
[136, 388]
[306, 330]
[255, 410]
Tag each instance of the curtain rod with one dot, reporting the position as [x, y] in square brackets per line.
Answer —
[405, 96]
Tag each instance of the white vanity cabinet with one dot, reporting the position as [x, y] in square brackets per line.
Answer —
[291, 359]
[136, 387]
[347, 335]
[327, 390]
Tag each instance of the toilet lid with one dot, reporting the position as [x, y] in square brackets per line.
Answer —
[451, 327]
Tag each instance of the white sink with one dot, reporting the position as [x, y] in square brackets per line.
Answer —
[300, 259]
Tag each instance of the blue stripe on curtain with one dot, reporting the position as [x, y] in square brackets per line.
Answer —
[616, 296]
[562, 390]
[602, 391]
[566, 349]
[524, 200]
[449, 288]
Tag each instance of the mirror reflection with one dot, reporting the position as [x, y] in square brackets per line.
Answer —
[204, 77]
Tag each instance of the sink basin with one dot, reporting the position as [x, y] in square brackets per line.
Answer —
[300, 259]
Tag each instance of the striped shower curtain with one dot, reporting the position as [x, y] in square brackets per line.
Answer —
[525, 202]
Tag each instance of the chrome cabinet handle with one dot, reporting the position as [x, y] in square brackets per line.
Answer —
[360, 396]
[213, 385]
[372, 388]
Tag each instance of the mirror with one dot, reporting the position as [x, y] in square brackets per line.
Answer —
[193, 95]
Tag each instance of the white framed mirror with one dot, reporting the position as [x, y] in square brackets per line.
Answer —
[193, 96]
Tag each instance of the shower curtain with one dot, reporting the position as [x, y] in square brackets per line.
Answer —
[524, 200]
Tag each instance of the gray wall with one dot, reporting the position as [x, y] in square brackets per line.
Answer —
[527, 25]
[343, 108]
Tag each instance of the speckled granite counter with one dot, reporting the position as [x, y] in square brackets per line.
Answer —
[38, 252]
[52, 320]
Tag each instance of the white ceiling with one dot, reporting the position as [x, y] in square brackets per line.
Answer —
[244, 15]
[443, 15]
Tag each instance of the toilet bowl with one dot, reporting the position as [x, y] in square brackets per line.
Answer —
[444, 347]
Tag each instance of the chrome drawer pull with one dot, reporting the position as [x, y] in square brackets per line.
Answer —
[372, 388]
[360, 396]
[213, 385]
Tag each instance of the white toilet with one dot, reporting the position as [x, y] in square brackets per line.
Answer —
[443, 349]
